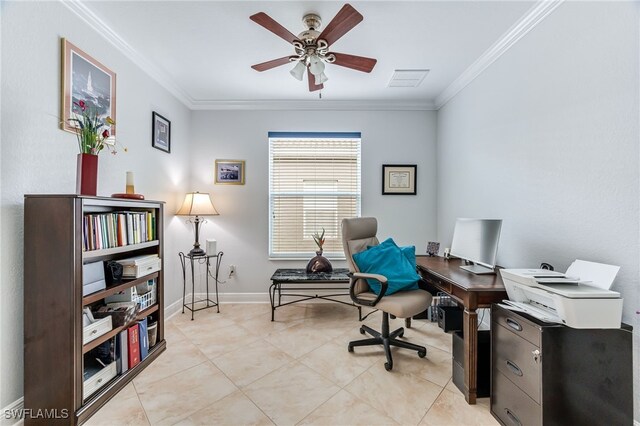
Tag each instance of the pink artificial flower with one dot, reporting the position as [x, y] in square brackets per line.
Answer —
[81, 104]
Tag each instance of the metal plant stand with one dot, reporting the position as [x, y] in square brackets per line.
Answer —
[200, 258]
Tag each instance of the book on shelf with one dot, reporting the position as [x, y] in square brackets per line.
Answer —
[122, 353]
[134, 345]
[144, 339]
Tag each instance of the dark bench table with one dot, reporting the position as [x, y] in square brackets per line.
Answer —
[298, 279]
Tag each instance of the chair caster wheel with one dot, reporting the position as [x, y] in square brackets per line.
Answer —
[362, 331]
[388, 366]
[350, 348]
[422, 354]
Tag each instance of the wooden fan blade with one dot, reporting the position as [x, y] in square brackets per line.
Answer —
[266, 21]
[343, 22]
[358, 63]
[312, 82]
[271, 64]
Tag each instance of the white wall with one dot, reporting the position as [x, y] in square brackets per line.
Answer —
[547, 139]
[388, 137]
[37, 157]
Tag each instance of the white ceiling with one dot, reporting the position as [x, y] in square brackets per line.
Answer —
[206, 48]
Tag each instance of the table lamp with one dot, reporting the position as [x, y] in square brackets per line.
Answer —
[197, 204]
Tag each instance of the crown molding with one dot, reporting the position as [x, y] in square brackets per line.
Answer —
[101, 27]
[315, 105]
[529, 21]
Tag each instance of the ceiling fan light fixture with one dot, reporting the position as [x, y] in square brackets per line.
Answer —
[321, 78]
[311, 46]
[316, 66]
[298, 71]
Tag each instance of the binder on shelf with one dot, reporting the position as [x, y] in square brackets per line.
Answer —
[144, 339]
[122, 353]
[134, 345]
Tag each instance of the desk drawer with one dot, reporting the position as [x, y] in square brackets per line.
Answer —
[435, 281]
[516, 358]
[517, 325]
[511, 405]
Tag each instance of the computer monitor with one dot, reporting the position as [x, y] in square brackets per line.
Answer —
[476, 241]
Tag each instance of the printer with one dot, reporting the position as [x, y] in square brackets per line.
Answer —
[579, 298]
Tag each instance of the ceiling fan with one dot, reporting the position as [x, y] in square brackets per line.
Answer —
[312, 47]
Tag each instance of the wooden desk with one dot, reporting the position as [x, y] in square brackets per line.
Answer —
[472, 292]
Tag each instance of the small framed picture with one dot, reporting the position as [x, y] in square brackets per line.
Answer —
[160, 133]
[85, 81]
[230, 172]
[398, 179]
[433, 248]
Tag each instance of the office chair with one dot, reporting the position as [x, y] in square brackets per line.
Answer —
[357, 234]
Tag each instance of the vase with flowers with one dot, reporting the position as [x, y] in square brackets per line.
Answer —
[319, 263]
[93, 134]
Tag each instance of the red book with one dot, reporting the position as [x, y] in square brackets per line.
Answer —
[134, 346]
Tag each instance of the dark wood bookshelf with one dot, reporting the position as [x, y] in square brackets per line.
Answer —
[102, 396]
[94, 254]
[146, 312]
[103, 338]
[54, 355]
[109, 291]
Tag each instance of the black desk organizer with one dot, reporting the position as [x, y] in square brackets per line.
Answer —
[449, 318]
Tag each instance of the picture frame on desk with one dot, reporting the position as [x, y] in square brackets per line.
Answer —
[399, 179]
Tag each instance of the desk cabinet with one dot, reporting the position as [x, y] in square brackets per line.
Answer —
[470, 291]
[555, 375]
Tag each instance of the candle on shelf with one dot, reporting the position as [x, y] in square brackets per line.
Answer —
[130, 189]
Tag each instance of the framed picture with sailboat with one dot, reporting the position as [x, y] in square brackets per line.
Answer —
[87, 86]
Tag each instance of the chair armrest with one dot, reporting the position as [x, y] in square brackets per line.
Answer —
[355, 276]
[380, 278]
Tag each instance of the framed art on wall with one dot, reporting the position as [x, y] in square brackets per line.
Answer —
[230, 172]
[399, 179]
[160, 133]
[87, 83]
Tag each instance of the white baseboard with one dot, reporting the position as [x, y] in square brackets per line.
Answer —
[636, 423]
[242, 297]
[264, 297]
[8, 416]
[172, 309]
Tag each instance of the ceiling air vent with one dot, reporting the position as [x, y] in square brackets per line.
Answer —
[407, 78]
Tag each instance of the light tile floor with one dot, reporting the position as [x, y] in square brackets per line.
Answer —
[239, 368]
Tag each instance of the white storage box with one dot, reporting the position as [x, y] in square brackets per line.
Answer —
[96, 376]
[96, 329]
[92, 278]
[140, 266]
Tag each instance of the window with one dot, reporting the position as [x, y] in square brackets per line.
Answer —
[314, 182]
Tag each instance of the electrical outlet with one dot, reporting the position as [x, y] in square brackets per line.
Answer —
[232, 270]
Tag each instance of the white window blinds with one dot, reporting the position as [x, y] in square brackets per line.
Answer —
[314, 182]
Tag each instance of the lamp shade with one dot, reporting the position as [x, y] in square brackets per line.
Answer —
[197, 204]
[321, 78]
[316, 66]
[298, 71]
